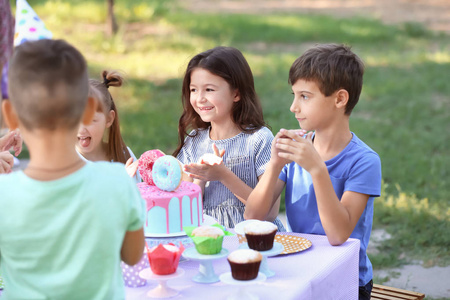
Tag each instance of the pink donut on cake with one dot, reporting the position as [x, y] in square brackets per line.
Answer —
[146, 162]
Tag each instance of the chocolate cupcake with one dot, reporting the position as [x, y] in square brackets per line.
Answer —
[260, 235]
[244, 264]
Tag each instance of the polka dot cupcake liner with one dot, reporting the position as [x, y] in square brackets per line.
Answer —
[131, 273]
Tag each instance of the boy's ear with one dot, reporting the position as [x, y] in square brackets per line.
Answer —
[341, 98]
[89, 111]
[11, 119]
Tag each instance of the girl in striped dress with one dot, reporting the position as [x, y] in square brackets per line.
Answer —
[224, 116]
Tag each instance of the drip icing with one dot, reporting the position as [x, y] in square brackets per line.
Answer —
[155, 197]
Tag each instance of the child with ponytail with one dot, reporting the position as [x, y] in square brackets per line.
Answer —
[101, 140]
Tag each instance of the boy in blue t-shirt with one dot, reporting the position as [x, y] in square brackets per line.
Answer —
[65, 224]
[331, 176]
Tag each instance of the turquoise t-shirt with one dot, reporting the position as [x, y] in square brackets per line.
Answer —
[61, 239]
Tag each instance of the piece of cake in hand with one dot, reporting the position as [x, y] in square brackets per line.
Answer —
[244, 264]
[207, 239]
[210, 159]
[260, 235]
[164, 259]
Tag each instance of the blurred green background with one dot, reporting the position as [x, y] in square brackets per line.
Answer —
[403, 113]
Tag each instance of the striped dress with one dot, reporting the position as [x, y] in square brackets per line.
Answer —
[246, 155]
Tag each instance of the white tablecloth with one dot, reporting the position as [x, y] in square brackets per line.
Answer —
[321, 272]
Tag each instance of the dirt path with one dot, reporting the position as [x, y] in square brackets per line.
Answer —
[433, 14]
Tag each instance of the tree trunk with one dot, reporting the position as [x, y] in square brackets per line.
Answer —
[111, 24]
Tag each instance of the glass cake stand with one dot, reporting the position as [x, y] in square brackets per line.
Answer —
[206, 272]
[162, 290]
[242, 293]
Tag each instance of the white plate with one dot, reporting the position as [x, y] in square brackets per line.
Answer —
[148, 274]
[276, 249]
[207, 220]
[192, 253]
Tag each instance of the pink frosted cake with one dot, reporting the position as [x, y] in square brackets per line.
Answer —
[171, 202]
[168, 212]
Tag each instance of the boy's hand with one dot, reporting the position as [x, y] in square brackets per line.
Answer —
[281, 135]
[131, 167]
[12, 139]
[299, 148]
[6, 162]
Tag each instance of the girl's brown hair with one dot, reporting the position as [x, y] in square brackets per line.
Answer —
[117, 150]
[231, 65]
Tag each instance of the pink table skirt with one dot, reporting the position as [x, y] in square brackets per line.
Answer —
[321, 272]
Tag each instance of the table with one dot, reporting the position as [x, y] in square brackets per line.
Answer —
[321, 272]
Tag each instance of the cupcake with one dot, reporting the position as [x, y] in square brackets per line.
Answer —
[164, 259]
[207, 239]
[260, 235]
[244, 264]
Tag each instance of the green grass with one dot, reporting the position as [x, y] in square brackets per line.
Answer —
[403, 114]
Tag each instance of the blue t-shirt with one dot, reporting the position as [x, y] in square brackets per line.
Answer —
[357, 168]
[61, 239]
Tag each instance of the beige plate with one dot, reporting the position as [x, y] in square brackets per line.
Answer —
[292, 243]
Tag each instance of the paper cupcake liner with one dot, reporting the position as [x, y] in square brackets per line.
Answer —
[209, 245]
[260, 242]
[162, 261]
[246, 271]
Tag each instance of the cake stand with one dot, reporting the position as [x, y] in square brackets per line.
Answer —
[206, 272]
[242, 293]
[162, 290]
[264, 267]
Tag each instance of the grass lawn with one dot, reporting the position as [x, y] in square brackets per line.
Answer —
[403, 113]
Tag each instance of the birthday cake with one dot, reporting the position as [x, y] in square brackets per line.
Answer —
[168, 211]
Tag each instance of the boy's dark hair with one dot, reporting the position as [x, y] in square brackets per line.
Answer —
[332, 67]
[48, 84]
[231, 65]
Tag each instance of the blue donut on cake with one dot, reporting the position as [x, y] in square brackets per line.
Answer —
[171, 202]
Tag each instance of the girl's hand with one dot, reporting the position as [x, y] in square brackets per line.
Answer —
[205, 171]
[12, 139]
[131, 167]
[6, 162]
[299, 148]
